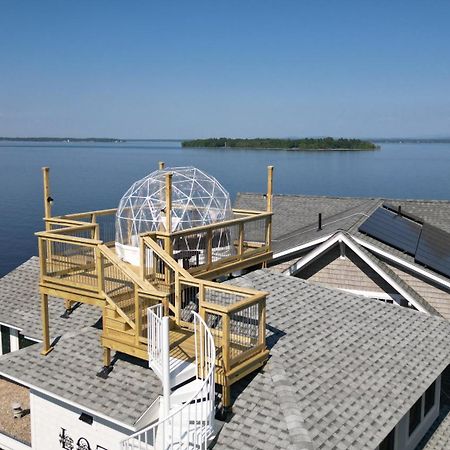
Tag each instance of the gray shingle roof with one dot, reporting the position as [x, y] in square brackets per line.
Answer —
[337, 370]
[295, 218]
[69, 372]
[294, 212]
[20, 305]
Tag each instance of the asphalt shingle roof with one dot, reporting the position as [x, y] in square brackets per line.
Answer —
[294, 212]
[69, 371]
[295, 218]
[337, 369]
[20, 305]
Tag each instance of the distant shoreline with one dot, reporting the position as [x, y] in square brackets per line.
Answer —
[57, 139]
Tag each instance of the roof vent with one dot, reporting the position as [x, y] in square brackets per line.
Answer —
[17, 410]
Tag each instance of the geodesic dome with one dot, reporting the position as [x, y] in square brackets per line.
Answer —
[197, 199]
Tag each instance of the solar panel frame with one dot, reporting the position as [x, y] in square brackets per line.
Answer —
[393, 229]
[403, 213]
[433, 250]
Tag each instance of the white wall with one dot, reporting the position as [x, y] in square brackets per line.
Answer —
[14, 337]
[49, 416]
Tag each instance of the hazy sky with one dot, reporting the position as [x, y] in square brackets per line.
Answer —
[167, 69]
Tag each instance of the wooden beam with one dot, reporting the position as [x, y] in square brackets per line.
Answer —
[45, 325]
[75, 295]
[161, 165]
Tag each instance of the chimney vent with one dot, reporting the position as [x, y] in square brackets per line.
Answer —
[17, 410]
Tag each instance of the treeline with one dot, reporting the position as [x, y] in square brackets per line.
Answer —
[327, 143]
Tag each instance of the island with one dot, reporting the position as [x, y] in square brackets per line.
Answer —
[327, 143]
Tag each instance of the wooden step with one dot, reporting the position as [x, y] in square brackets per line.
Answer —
[110, 312]
[117, 323]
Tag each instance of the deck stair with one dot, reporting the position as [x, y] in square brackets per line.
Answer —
[187, 407]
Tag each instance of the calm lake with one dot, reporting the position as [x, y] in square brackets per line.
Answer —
[94, 176]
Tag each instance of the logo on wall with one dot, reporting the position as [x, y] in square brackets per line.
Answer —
[67, 443]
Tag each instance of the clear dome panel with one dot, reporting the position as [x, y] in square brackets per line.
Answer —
[197, 199]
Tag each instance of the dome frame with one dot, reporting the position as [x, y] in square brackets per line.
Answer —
[197, 199]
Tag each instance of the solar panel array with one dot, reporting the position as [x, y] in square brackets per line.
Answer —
[393, 229]
[429, 245]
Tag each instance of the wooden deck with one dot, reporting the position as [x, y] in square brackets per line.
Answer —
[78, 264]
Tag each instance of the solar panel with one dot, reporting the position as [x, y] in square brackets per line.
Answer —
[434, 249]
[393, 229]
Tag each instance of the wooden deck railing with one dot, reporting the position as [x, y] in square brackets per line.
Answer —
[210, 250]
[74, 261]
[235, 315]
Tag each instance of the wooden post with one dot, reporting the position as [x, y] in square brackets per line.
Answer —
[47, 205]
[269, 188]
[100, 271]
[45, 325]
[137, 315]
[269, 208]
[177, 298]
[168, 203]
[209, 247]
[262, 322]
[96, 231]
[42, 256]
[226, 392]
[142, 268]
[106, 356]
[241, 241]
[161, 165]
[47, 198]
[226, 342]
[168, 224]
[226, 396]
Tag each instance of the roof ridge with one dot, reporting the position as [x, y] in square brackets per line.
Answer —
[334, 197]
[328, 220]
[349, 197]
[385, 268]
[289, 405]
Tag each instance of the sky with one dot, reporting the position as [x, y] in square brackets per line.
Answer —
[186, 69]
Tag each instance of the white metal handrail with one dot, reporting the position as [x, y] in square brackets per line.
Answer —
[191, 425]
[155, 338]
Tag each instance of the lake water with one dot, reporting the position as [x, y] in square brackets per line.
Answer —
[94, 176]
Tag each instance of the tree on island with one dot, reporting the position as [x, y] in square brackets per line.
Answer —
[327, 143]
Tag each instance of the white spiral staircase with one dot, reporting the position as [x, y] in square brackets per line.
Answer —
[187, 407]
